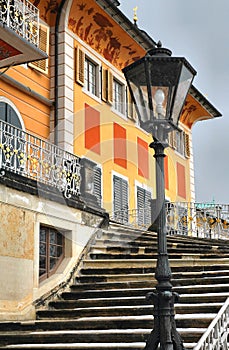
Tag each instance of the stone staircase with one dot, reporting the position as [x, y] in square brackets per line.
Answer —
[105, 306]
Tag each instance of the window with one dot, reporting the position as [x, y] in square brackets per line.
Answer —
[91, 77]
[120, 199]
[118, 96]
[179, 140]
[9, 115]
[51, 251]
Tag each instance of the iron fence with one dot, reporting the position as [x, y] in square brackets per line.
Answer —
[204, 220]
[22, 17]
[30, 156]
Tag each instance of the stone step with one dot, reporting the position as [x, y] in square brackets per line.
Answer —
[184, 238]
[106, 249]
[87, 346]
[127, 236]
[104, 322]
[187, 290]
[91, 336]
[145, 256]
[136, 276]
[125, 275]
[101, 269]
[148, 280]
[141, 243]
[128, 308]
[151, 236]
[134, 263]
[177, 281]
[136, 300]
[203, 297]
[88, 279]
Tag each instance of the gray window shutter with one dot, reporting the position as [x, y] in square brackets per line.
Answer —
[97, 185]
[143, 206]
[120, 195]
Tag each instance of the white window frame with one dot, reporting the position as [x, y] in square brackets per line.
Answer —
[87, 88]
[119, 104]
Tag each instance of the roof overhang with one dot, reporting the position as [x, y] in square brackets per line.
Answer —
[15, 50]
[197, 108]
[140, 36]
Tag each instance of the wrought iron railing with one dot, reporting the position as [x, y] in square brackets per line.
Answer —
[139, 218]
[216, 336]
[202, 220]
[22, 17]
[27, 155]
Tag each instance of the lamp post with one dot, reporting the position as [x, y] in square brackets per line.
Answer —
[159, 84]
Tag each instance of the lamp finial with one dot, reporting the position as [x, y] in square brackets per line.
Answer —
[135, 18]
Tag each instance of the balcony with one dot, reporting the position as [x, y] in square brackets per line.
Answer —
[37, 162]
[19, 33]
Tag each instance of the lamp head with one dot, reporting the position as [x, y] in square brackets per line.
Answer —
[159, 84]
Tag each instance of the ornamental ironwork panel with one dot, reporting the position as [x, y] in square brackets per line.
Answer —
[204, 220]
[27, 155]
[22, 17]
[216, 336]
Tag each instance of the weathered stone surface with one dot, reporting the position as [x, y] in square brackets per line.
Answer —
[16, 232]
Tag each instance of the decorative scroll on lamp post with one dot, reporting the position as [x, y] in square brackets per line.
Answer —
[159, 84]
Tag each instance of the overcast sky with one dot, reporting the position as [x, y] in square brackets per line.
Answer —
[199, 31]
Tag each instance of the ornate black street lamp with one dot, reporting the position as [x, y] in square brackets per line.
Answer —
[159, 85]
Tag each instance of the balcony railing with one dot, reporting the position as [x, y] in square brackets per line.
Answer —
[194, 219]
[139, 218]
[216, 336]
[31, 157]
[22, 17]
[204, 220]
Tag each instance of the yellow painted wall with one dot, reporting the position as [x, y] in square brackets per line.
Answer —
[78, 22]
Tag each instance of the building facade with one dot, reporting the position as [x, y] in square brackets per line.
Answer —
[71, 149]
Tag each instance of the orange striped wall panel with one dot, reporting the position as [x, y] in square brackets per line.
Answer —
[181, 180]
[143, 158]
[120, 150]
[92, 129]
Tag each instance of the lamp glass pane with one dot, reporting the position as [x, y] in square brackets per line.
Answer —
[184, 83]
[136, 77]
[163, 76]
[141, 99]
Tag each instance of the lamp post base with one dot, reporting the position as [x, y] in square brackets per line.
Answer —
[164, 332]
